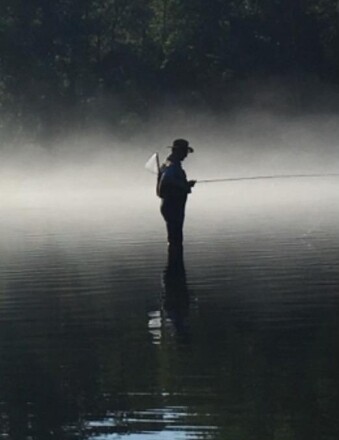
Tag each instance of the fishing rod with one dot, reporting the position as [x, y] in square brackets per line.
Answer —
[153, 165]
[277, 176]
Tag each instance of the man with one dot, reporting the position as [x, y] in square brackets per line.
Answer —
[173, 188]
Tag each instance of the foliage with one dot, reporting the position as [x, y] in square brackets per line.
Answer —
[88, 57]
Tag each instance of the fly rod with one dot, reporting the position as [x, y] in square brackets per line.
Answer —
[153, 165]
[277, 176]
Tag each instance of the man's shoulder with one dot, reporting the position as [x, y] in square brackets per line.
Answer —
[170, 166]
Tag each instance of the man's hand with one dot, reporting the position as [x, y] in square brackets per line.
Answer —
[191, 183]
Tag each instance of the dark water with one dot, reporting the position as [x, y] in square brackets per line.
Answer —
[101, 339]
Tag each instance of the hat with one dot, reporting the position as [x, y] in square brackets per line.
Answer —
[181, 144]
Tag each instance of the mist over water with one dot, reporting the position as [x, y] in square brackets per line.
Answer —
[94, 185]
[98, 185]
[243, 144]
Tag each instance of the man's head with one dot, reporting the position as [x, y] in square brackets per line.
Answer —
[181, 148]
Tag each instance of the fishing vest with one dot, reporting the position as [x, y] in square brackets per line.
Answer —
[169, 173]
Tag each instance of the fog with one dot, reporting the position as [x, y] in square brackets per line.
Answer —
[94, 167]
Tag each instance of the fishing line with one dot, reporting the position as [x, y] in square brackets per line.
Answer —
[153, 165]
[277, 176]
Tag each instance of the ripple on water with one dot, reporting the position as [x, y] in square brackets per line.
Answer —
[96, 345]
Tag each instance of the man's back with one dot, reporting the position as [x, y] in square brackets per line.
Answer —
[172, 181]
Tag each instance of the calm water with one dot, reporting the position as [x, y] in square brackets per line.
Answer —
[102, 339]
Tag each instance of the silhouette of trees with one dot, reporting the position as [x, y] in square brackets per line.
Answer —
[88, 56]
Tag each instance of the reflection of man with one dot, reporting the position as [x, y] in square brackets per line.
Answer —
[173, 188]
[171, 319]
[176, 298]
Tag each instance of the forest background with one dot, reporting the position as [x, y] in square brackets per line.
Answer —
[70, 63]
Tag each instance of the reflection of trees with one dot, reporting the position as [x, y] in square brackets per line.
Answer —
[257, 378]
[67, 352]
[70, 357]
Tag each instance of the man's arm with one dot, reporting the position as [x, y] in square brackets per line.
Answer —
[174, 177]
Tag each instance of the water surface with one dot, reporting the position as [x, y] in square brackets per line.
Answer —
[102, 339]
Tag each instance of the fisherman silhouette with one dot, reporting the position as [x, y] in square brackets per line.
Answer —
[176, 297]
[173, 188]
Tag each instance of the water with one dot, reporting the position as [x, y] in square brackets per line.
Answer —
[101, 340]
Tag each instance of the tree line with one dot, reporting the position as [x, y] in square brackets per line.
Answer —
[107, 58]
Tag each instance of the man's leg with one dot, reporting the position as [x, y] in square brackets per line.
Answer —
[174, 217]
[175, 231]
